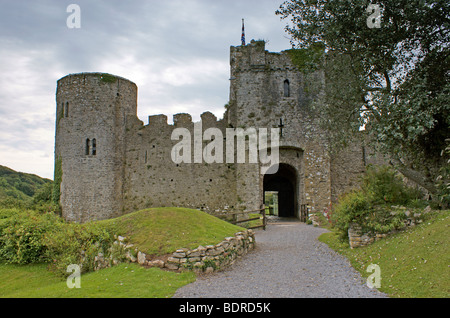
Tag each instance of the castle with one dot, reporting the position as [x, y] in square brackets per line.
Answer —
[109, 163]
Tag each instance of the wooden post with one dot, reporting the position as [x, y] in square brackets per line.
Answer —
[263, 211]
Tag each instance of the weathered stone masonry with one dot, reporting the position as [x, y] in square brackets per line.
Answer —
[113, 164]
[206, 259]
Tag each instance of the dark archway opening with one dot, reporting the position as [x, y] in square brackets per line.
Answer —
[285, 183]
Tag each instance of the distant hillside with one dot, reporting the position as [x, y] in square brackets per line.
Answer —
[19, 185]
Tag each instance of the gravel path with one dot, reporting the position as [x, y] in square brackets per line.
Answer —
[288, 262]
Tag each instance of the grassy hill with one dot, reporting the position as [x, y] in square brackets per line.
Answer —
[161, 231]
[19, 185]
[157, 231]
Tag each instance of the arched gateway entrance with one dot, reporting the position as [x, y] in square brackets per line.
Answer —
[285, 184]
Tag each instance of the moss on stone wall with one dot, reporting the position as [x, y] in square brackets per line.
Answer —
[59, 115]
[307, 60]
[57, 182]
[108, 78]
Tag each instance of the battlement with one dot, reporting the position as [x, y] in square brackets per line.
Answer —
[182, 120]
[156, 122]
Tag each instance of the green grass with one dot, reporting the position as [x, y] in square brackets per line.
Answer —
[161, 231]
[254, 222]
[414, 264]
[121, 281]
[157, 231]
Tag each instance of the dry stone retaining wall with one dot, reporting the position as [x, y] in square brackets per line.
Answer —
[202, 259]
[357, 237]
[209, 258]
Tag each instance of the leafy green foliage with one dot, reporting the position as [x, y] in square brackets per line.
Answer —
[393, 80]
[22, 235]
[443, 180]
[32, 237]
[371, 206]
[308, 59]
[352, 208]
[18, 185]
[57, 182]
[384, 186]
[77, 244]
[26, 192]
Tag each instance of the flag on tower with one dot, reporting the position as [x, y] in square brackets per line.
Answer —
[243, 33]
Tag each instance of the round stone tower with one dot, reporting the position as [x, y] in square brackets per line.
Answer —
[91, 115]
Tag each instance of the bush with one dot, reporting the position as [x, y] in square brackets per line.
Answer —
[22, 233]
[11, 203]
[43, 202]
[44, 194]
[370, 207]
[385, 186]
[352, 208]
[79, 244]
[32, 237]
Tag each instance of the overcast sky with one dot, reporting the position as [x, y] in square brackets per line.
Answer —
[176, 51]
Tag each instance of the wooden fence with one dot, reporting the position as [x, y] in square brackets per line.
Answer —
[304, 212]
[236, 220]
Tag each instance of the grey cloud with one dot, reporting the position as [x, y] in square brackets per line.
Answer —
[155, 35]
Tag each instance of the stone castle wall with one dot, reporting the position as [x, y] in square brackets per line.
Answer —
[258, 98]
[90, 130]
[154, 180]
[133, 169]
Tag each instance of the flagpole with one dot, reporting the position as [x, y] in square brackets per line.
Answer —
[243, 34]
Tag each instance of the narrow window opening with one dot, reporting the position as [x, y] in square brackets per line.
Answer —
[146, 156]
[66, 110]
[287, 89]
[94, 147]
[88, 146]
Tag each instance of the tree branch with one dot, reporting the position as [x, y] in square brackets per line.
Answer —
[414, 175]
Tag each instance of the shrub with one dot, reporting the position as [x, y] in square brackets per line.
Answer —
[44, 194]
[384, 185]
[370, 207]
[78, 244]
[32, 237]
[21, 235]
[11, 203]
[352, 208]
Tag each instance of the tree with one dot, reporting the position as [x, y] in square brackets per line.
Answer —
[387, 68]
